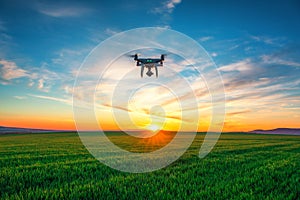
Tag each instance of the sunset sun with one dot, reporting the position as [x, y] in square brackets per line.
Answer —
[153, 127]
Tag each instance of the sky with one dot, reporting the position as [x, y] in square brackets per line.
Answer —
[255, 46]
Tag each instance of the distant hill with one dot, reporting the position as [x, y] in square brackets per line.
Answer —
[281, 131]
[8, 130]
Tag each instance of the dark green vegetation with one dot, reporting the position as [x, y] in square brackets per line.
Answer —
[241, 166]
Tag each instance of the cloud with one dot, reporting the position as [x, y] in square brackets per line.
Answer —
[206, 38]
[67, 101]
[61, 10]
[10, 71]
[268, 40]
[70, 58]
[277, 60]
[165, 10]
[40, 77]
[99, 34]
[170, 5]
[110, 31]
[20, 97]
[254, 87]
[241, 66]
[41, 84]
[255, 80]
[214, 54]
[238, 112]
[46, 79]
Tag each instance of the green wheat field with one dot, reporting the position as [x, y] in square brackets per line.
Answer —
[241, 166]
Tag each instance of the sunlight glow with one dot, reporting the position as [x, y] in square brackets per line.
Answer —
[153, 127]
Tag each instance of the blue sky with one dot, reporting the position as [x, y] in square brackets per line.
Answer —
[255, 45]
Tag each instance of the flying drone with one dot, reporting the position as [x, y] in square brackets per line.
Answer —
[149, 63]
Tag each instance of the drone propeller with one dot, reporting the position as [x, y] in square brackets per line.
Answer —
[162, 57]
[135, 56]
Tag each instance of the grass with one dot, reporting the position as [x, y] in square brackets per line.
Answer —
[241, 166]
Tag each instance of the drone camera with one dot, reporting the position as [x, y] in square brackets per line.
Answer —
[149, 73]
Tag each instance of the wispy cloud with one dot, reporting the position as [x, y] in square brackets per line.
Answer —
[46, 78]
[70, 58]
[268, 59]
[111, 31]
[10, 71]
[165, 10]
[167, 6]
[67, 101]
[170, 5]
[20, 97]
[260, 87]
[241, 66]
[268, 40]
[205, 38]
[238, 112]
[39, 77]
[62, 10]
[41, 84]
[99, 34]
